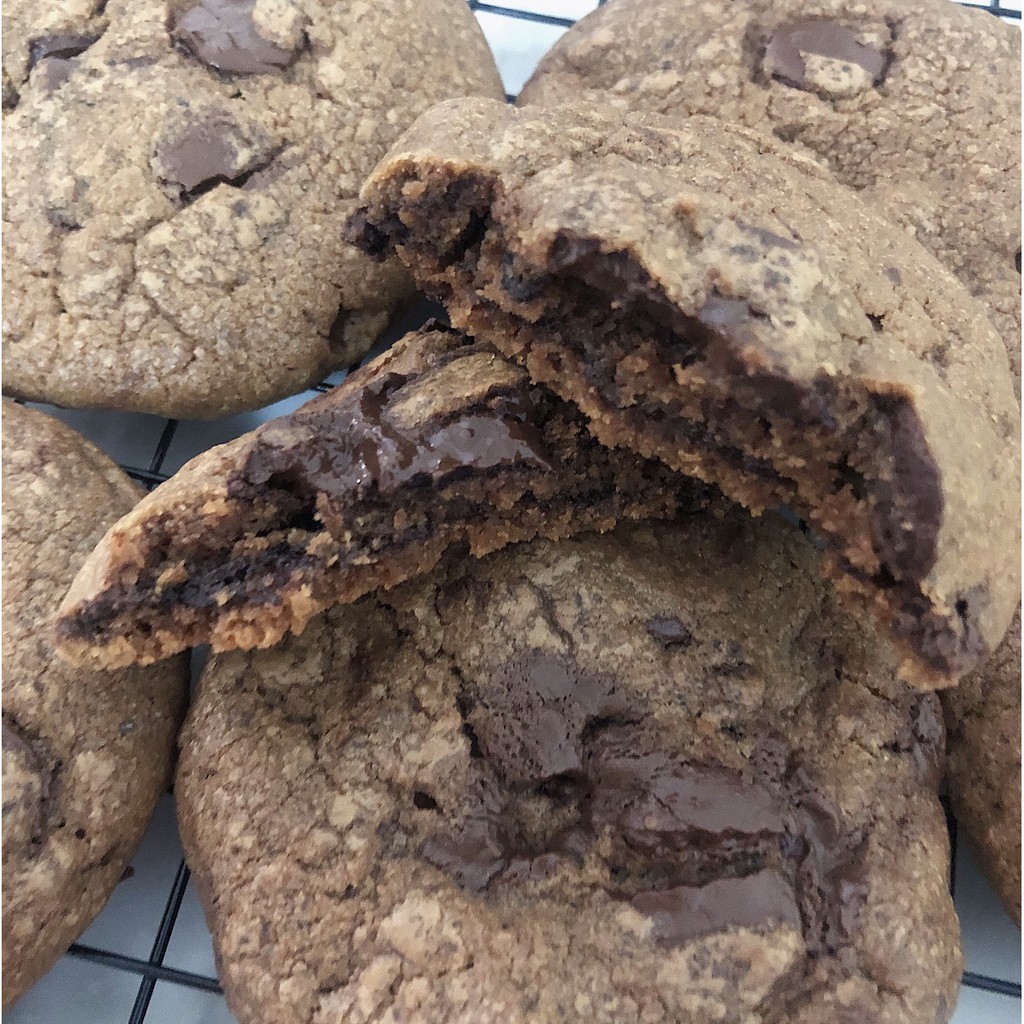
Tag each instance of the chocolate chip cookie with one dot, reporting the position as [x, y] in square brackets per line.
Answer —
[176, 176]
[983, 720]
[651, 776]
[86, 753]
[712, 298]
[915, 101]
[439, 442]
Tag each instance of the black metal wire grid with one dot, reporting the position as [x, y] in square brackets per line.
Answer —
[153, 969]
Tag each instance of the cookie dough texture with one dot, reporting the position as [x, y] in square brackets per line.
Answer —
[983, 718]
[86, 753]
[652, 776]
[176, 180]
[712, 298]
[439, 442]
[916, 102]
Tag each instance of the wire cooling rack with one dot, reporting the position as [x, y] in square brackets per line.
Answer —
[147, 959]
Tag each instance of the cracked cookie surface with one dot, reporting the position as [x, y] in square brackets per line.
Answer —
[86, 753]
[983, 720]
[651, 776]
[712, 298]
[916, 102]
[176, 176]
[439, 442]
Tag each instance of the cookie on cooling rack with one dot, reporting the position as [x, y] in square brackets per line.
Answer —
[439, 442]
[916, 101]
[983, 719]
[653, 775]
[86, 753]
[712, 298]
[176, 175]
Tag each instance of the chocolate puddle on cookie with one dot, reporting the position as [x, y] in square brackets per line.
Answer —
[566, 771]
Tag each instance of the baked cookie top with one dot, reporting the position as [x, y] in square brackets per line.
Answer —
[650, 776]
[983, 720]
[176, 175]
[916, 101]
[86, 753]
[711, 297]
[439, 442]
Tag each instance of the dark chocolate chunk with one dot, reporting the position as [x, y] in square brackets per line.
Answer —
[205, 153]
[531, 724]
[473, 855]
[768, 239]
[719, 311]
[822, 37]
[688, 912]
[908, 505]
[669, 631]
[697, 847]
[831, 869]
[55, 71]
[221, 34]
[659, 804]
[370, 451]
[63, 46]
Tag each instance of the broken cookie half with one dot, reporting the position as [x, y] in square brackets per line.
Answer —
[439, 442]
[709, 298]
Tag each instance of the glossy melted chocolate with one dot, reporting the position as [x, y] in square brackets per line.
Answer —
[361, 448]
[697, 847]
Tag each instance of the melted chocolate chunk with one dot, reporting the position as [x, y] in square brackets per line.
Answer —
[63, 47]
[370, 451]
[923, 737]
[55, 71]
[222, 35]
[719, 312]
[769, 239]
[669, 632]
[659, 804]
[697, 847]
[204, 154]
[474, 855]
[908, 505]
[688, 912]
[821, 37]
[530, 724]
[833, 877]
